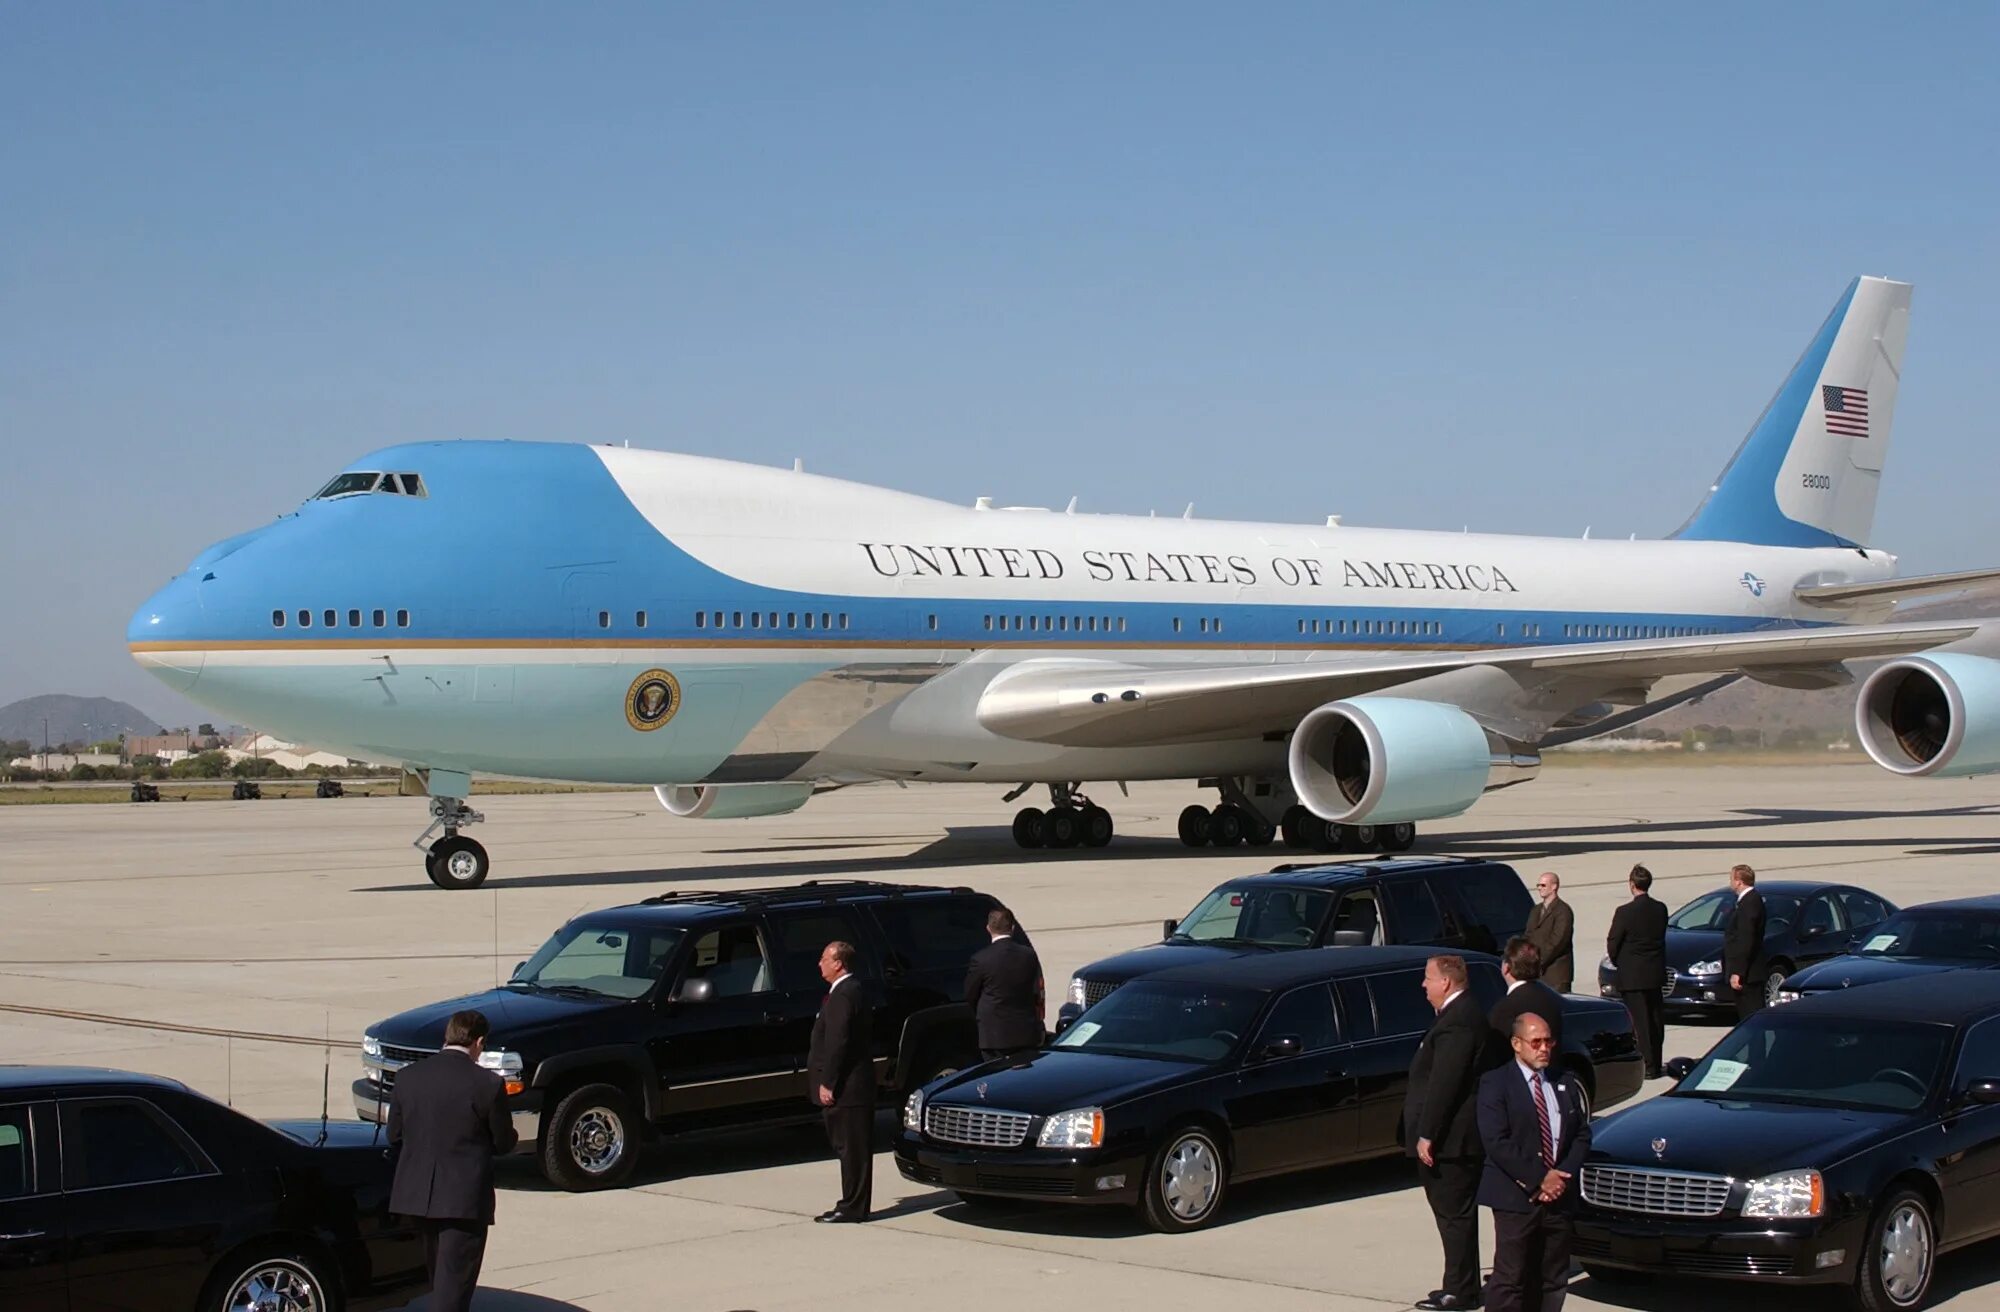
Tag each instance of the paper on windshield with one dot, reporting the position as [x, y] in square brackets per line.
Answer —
[1721, 1075]
[1880, 943]
[1081, 1032]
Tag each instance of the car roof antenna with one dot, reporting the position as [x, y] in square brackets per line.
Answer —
[325, 1081]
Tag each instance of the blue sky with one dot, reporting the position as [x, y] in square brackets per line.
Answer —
[1527, 269]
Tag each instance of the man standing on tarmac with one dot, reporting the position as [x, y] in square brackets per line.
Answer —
[1441, 1124]
[448, 1120]
[1637, 946]
[840, 1079]
[1004, 989]
[1743, 959]
[1552, 929]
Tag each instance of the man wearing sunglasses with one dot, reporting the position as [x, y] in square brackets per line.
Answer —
[1535, 1135]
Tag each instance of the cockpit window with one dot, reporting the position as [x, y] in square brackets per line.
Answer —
[357, 482]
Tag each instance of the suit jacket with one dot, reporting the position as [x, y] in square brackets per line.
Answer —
[448, 1120]
[1004, 989]
[1511, 1133]
[1532, 996]
[1743, 940]
[1552, 929]
[842, 1056]
[1638, 944]
[1438, 1106]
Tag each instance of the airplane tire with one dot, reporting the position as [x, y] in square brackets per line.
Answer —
[1398, 838]
[1097, 826]
[1027, 827]
[1194, 826]
[457, 862]
[1226, 826]
[1260, 832]
[1061, 827]
[1327, 835]
[1296, 826]
[1362, 838]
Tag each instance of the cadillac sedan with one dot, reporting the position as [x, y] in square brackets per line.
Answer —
[1926, 940]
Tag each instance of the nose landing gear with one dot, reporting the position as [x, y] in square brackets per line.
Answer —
[1072, 820]
[454, 861]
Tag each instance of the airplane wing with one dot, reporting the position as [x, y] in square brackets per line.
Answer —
[1106, 704]
[1835, 595]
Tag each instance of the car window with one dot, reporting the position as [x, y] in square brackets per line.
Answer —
[1305, 1014]
[933, 934]
[17, 1162]
[1953, 934]
[123, 1141]
[1784, 1056]
[1819, 916]
[1400, 1004]
[1709, 911]
[1273, 917]
[1413, 911]
[731, 958]
[1483, 979]
[803, 935]
[1863, 909]
[614, 960]
[1496, 901]
[1979, 1058]
[1357, 1010]
[1359, 914]
[1178, 1022]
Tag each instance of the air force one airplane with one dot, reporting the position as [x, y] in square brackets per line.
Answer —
[741, 636]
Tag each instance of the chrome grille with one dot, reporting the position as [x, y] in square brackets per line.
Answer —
[393, 1059]
[1656, 1193]
[976, 1126]
[1097, 990]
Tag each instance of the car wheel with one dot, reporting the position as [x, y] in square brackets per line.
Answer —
[1185, 1182]
[271, 1280]
[592, 1140]
[1896, 1264]
[1774, 985]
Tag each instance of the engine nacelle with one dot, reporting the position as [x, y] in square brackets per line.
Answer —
[1932, 715]
[1386, 760]
[731, 801]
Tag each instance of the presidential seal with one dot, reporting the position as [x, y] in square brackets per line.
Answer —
[652, 700]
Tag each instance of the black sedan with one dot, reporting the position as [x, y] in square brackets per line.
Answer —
[132, 1192]
[1925, 940]
[1804, 922]
[1846, 1139]
[1183, 1082]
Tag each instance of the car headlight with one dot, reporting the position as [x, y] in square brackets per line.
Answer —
[508, 1064]
[371, 1046]
[1713, 967]
[1786, 1194]
[913, 1111]
[1787, 995]
[1076, 990]
[1081, 1127]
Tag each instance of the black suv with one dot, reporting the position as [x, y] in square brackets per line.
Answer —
[1451, 903]
[694, 1010]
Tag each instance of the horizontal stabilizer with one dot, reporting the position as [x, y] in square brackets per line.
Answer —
[1923, 585]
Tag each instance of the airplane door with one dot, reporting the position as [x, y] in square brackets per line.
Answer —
[587, 604]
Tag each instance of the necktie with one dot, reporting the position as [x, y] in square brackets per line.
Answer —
[1542, 1115]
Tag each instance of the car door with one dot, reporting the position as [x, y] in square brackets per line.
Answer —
[1414, 914]
[1489, 903]
[927, 948]
[1821, 931]
[146, 1206]
[1394, 1001]
[726, 1056]
[33, 1234]
[1287, 1112]
[799, 936]
[1969, 1166]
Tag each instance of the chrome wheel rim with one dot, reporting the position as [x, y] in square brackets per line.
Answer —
[1189, 1178]
[1772, 987]
[275, 1287]
[597, 1140]
[462, 864]
[1906, 1254]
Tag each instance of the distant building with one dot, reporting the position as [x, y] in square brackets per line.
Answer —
[158, 744]
[62, 760]
[289, 755]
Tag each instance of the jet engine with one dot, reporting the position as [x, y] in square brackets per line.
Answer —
[1932, 715]
[1386, 760]
[731, 801]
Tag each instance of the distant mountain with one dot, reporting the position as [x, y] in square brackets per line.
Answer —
[73, 719]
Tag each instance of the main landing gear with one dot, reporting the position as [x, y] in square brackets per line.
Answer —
[1225, 826]
[1072, 820]
[1304, 830]
[454, 861]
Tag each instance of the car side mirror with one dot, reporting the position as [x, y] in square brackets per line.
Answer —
[696, 990]
[1811, 932]
[1278, 1049]
[1064, 1022]
[1349, 938]
[1984, 1092]
[1168, 926]
[519, 966]
[1679, 1068]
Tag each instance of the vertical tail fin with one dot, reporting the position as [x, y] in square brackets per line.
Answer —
[1807, 474]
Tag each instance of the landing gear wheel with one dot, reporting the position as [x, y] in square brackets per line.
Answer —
[1398, 838]
[1028, 827]
[1326, 835]
[1194, 826]
[1226, 826]
[457, 862]
[1061, 827]
[1297, 826]
[1097, 826]
[592, 1140]
[1362, 838]
[1185, 1182]
[1260, 832]
[1897, 1260]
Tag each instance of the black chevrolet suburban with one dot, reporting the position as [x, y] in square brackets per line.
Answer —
[1448, 903]
[693, 1011]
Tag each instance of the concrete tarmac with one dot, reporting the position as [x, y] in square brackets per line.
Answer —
[225, 945]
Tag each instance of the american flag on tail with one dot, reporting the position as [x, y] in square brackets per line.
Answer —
[1846, 410]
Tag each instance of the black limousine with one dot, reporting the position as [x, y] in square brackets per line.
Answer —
[1847, 1139]
[1181, 1083]
[135, 1192]
[1963, 934]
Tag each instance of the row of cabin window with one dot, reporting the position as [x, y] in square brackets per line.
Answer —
[1048, 623]
[330, 619]
[1398, 628]
[1635, 631]
[793, 619]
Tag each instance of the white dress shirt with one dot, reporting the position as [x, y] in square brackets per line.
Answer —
[1549, 1100]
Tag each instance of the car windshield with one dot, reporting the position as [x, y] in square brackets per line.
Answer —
[1711, 911]
[1954, 935]
[1268, 917]
[1782, 1056]
[1181, 1022]
[594, 956]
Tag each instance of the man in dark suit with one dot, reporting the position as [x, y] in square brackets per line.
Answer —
[1004, 989]
[1552, 929]
[448, 1120]
[1440, 1126]
[1534, 1131]
[1521, 967]
[1743, 959]
[1637, 947]
[840, 1076]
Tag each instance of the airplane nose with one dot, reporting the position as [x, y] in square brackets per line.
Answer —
[163, 635]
